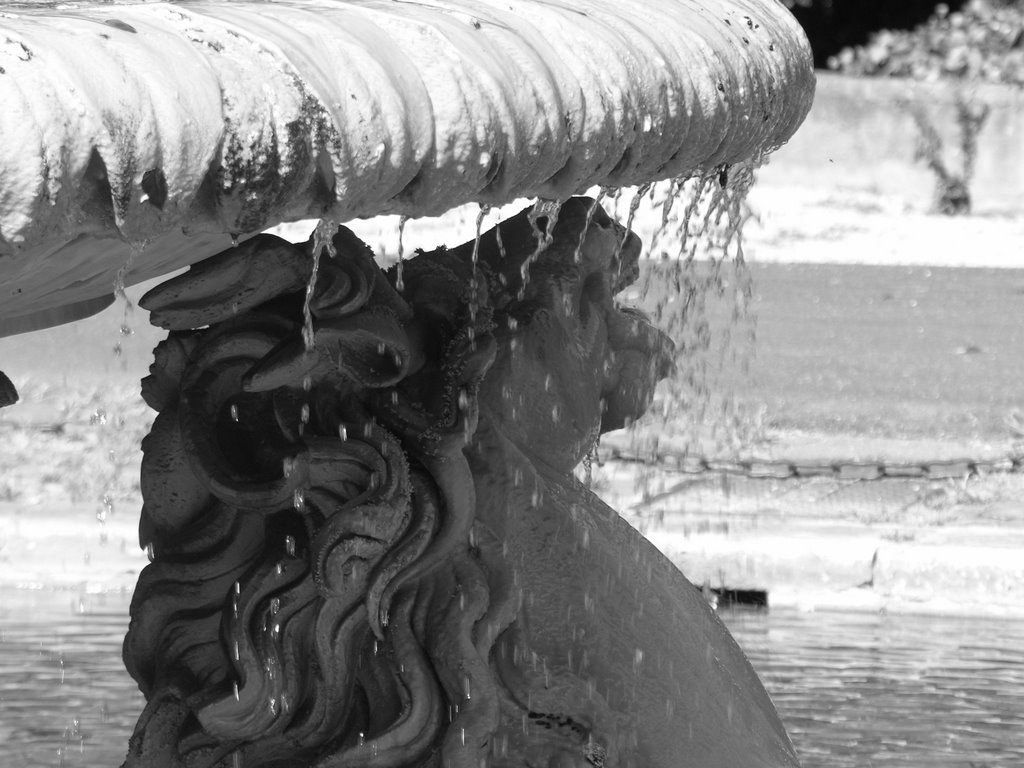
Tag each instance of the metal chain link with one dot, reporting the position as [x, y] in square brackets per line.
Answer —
[783, 469]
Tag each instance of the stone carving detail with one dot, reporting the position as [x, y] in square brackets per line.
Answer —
[364, 554]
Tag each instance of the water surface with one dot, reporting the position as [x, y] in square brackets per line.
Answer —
[855, 690]
[65, 698]
[882, 691]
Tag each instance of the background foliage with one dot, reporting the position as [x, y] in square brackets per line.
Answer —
[833, 25]
[982, 42]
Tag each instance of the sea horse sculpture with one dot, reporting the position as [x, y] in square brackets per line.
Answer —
[373, 552]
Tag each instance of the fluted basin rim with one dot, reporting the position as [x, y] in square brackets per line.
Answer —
[155, 132]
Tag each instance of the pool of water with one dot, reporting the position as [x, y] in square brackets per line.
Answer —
[884, 691]
[855, 690]
[65, 699]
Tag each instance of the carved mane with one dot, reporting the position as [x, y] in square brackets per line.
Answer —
[318, 594]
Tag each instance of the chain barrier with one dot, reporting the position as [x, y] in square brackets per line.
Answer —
[783, 469]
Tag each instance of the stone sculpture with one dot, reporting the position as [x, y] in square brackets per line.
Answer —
[368, 546]
[372, 550]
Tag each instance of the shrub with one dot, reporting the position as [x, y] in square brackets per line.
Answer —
[833, 25]
[952, 190]
[983, 42]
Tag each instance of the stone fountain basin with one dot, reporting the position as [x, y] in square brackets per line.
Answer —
[144, 136]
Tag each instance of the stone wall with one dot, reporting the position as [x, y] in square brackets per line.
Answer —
[860, 136]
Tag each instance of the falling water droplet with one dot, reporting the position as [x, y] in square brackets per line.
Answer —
[120, 281]
[500, 243]
[400, 266]
[234, 687]
[234, 413]
[289, 546]
[578, 252]
[322, 241]
[106, 508]
[474, 300]
[275, 606]
[634, 205]
[542, 209]
[299, 500]
[342, 433]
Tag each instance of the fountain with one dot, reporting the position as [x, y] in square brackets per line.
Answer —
[368, 547]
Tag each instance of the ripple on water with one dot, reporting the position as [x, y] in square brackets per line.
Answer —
[892, 691]
[855, 690]
[65, 698]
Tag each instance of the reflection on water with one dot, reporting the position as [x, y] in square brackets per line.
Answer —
[856, 691]
[863, 690]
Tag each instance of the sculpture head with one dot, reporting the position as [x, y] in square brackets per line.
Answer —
[570, 362]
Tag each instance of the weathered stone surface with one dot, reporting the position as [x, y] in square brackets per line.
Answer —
[169, 127]
[375, 553]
